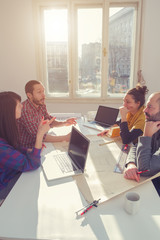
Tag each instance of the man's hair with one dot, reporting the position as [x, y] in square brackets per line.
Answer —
[8, 124]
[30, 85]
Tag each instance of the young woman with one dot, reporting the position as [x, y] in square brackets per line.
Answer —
[132, 115]
[14, 161]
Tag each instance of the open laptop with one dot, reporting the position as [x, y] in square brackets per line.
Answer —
[105, 118]
[69, 163]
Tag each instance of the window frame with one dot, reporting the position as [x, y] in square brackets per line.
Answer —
[72, 5]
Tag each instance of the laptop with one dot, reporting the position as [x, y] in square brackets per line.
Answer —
[68, 163]
[105, 118]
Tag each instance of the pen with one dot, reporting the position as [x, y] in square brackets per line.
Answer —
[101, 144]
[86, 210]
[112, 141]
[43, 146]
[139, 172]
[125, 147]
[88, 207]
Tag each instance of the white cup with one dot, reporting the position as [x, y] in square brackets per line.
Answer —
[132, 202]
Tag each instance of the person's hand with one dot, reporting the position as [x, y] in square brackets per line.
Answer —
[123, 112]
[131, 172]
[70, 121]
[104, 133]
[151, 128]
[44, 125]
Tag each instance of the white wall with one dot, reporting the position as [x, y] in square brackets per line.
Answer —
[17, 50]
[17, 55]
[150, 60]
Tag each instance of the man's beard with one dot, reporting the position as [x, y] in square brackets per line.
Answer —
[153, 118]
[38, 102]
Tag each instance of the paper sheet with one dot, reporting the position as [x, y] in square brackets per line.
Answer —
[64, 116]
[99, 179]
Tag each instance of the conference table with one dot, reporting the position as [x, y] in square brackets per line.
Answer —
[38, 209]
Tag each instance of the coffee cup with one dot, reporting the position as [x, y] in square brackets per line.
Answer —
[132, 202]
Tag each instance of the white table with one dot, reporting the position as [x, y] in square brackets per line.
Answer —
[36, 209]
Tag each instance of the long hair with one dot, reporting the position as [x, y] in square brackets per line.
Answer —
[8, 124]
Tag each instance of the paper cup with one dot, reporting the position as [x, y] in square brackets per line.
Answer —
[132, 202]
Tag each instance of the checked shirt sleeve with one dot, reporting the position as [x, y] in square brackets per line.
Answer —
[29, 122]
[14, 159]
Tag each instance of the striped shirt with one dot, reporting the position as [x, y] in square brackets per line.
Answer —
[13, 161]
[29, 122]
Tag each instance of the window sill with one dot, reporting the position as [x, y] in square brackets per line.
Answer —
[109, 100]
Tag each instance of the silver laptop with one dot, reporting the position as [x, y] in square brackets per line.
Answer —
[68, 163]
[105, 118]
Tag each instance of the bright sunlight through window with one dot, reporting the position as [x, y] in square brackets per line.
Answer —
[87, 51]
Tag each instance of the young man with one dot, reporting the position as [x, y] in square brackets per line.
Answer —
[145, 156]
[33, 110]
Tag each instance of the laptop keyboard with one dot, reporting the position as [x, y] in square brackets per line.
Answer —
[64, 163]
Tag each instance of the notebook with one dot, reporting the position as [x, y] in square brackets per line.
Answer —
[68, 163]
[105, 118]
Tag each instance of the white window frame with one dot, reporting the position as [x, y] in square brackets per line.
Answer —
[40, 55]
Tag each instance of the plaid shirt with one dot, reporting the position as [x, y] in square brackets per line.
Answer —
[29, 122]
[13, 161]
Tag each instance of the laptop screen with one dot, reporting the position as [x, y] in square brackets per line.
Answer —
[106, 115]
[78, 148]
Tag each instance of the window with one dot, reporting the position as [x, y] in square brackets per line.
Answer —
[86, 49]
[89, 51]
